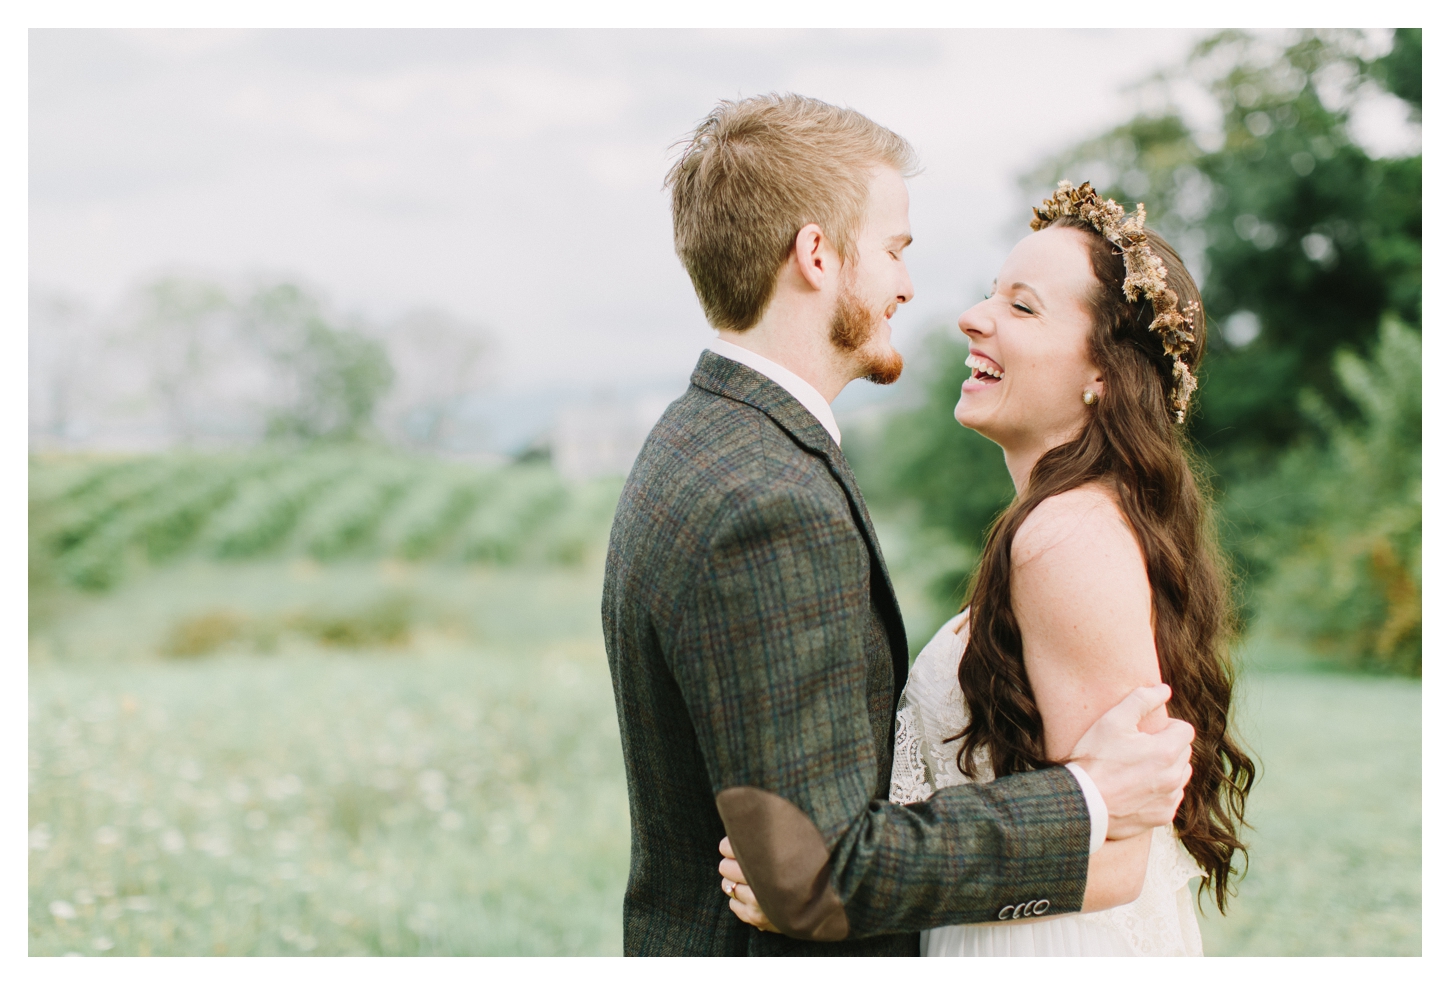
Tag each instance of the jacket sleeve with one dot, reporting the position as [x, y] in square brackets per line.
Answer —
[769, 651]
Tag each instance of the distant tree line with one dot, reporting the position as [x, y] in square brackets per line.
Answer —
[189, 362]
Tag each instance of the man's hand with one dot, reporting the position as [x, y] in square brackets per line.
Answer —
[1141, 775]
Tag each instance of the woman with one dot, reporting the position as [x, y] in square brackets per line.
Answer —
[1100, 577]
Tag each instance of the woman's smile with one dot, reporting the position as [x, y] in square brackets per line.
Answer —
[986, 373]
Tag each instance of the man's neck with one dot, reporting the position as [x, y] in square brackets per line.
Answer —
[809, 355]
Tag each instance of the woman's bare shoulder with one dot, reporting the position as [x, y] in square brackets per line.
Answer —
[1084, 521]
[1081, 594]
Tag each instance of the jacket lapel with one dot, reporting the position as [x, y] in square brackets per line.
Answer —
[739, 382]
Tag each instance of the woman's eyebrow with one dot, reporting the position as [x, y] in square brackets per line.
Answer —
[1020, 286]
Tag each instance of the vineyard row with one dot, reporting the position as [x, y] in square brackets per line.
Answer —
[94, 520]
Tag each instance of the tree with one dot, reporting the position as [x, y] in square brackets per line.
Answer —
[329, 378]
[1400, 70]
[1304, 245]
[1302, 240]
[1337, 525]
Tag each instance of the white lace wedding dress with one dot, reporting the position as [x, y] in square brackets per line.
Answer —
[1160, 922]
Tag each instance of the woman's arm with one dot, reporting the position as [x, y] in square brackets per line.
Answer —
[1081, 596]
[1084, 607]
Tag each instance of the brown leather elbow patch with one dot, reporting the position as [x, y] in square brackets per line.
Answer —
[785, 861]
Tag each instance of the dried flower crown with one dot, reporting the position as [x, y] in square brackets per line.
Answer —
[1146, 275]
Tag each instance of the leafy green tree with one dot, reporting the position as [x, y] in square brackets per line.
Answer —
[332, 376]
[1338, 525]
[1400, 70]
[1303, 244]
[1301, 238]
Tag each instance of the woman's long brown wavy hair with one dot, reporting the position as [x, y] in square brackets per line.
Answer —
[1131, 443]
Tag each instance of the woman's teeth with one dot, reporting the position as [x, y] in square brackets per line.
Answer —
[980, 368]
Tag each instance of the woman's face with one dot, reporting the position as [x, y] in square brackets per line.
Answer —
[1029, 361]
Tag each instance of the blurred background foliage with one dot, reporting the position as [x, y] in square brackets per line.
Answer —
[1307, 251]
[94, 521]
[335, 686]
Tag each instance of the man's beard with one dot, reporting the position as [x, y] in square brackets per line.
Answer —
[852, 325]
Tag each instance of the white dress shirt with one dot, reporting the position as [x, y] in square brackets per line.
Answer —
[1097, 807]
[810, 398]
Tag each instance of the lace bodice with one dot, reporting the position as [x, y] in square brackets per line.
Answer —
[1161, 921]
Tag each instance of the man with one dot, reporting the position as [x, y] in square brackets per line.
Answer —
[754, 641]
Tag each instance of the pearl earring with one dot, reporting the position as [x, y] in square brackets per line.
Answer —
[1089, 397]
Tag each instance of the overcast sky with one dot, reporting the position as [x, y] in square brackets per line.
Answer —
[513, 178]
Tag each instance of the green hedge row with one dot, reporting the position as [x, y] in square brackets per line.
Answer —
[95, 519]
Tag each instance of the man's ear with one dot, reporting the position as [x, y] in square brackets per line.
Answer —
[813, 257]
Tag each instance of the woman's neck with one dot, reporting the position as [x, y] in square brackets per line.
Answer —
[1021, 461]
[1020, 467]
[1022, 456]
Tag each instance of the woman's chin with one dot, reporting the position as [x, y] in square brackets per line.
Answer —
[969, 413]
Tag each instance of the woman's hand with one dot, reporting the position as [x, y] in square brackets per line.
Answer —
[742, 900]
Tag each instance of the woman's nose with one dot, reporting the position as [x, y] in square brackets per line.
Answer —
[975, 320]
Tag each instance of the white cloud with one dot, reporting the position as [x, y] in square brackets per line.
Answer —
[183, 44]
[514, 178]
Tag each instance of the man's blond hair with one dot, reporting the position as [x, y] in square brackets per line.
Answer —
[753, 173]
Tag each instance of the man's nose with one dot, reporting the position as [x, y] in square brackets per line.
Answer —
[907, 290]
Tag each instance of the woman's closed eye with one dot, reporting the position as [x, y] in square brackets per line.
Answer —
[1018, 305]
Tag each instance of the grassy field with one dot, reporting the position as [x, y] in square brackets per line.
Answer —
[372, 753]
[442, 797]
[457, 797]
[1335, 852]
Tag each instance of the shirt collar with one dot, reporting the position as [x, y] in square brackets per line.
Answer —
[809, 397]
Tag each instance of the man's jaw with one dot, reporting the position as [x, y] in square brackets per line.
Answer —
[883, 367]
[856, 330]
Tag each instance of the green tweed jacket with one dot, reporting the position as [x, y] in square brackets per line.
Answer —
[757, 654]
